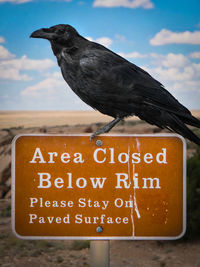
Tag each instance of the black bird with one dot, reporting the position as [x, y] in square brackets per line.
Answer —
[114, 86]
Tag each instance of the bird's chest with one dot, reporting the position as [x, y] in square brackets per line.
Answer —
[70, 73]
[75, 78]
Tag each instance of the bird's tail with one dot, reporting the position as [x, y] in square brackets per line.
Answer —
[178, 126]
[191, 120]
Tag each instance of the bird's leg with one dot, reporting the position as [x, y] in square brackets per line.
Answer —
[106, 128]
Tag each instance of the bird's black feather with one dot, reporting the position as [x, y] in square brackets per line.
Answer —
[114, 86]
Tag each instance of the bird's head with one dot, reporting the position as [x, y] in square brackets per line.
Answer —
[61, 34]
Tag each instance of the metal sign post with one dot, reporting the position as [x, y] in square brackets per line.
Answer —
[100, 253]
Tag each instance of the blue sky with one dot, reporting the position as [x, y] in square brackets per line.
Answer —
[162, 37]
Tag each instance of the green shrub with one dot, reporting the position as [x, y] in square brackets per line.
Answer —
[79, 244]
[6, 212]
[193, 196]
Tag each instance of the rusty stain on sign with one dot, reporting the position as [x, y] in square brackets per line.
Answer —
[115, 187]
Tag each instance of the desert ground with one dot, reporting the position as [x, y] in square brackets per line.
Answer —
[29, 253]
[26, 119]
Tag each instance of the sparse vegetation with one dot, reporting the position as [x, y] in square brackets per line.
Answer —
[6, 212]
[193, 196]
[24, 248]
[78, 245]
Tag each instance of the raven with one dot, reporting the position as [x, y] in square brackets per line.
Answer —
[114, 86]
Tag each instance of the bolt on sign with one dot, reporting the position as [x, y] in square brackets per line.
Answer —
[114, 187]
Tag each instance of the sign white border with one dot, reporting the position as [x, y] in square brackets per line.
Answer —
[96, 237]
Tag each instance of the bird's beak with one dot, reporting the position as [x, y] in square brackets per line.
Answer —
[43, 33]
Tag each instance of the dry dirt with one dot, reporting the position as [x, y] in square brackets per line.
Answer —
[50, 118]
[17, 252]
[26, 253]
[28, 119]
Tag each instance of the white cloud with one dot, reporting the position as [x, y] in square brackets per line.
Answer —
[184, 84]
[24, 1]
[168, 37]
[16, 1]
[147, 4]
[50, 93]
[11, 67]
[177, 73]
[47, 87]
[195, 55]
[25, 63]
[120, 38]
[5, 54]
[12, 74]
[106, 41]
[170, 60]
[2, 40]
[132, 55]
[166, 75]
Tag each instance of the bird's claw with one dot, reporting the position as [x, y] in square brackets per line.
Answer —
[92, 137]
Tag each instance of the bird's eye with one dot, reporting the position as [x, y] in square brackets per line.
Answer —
[61, 31]
[45, 30]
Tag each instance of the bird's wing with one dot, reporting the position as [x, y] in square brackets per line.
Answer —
[117, 81]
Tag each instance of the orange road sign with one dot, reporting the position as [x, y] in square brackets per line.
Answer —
[114, 187]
